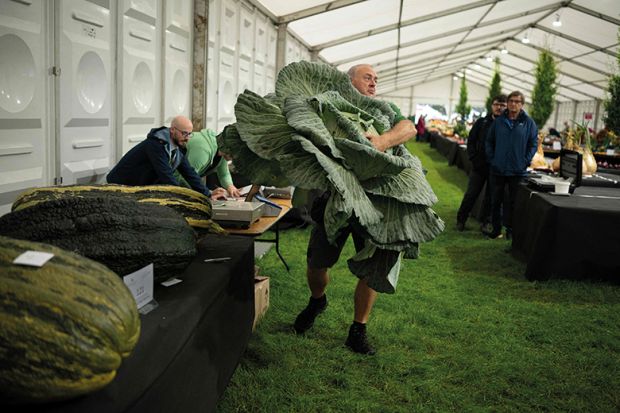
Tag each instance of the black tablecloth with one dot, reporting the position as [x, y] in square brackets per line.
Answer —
[445, 146]
[190, 345]
[458, 157]
[576, 236]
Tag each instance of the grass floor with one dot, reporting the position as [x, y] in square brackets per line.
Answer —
[464, 332]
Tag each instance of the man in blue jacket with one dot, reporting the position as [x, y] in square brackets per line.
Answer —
[154, 160]
[510, 147]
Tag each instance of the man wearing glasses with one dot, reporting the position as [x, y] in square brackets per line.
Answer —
[479, 175]
[154, 160]
[510, 146]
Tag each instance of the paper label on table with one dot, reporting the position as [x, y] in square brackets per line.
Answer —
[140, 283]
[611, 151]
[171, 281]
[33, 258]
[557, 146]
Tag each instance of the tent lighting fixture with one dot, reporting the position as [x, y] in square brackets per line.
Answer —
[525, 39]
[489, 59]
[557, 22]
[477, 67]
[504, 50]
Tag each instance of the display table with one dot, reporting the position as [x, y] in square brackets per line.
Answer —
[190, 345]
[445, 146]
[263, 224]
[576, 236]
[459, 158]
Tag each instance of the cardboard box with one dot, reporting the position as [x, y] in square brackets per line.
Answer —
[261, 298]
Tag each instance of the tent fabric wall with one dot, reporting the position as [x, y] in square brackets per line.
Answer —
[414, 42]
[120, 68]
[444, 91]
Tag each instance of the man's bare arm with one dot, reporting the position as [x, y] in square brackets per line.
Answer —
[400, 133]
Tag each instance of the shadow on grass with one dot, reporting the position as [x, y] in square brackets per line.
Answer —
[486, 261]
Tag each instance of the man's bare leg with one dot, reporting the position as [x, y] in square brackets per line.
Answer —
[364, 299]
[317, 282]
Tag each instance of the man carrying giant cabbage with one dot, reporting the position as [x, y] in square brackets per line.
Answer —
[322, 129]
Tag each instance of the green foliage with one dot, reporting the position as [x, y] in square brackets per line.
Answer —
[612, 103]
[495, 88]
[465, 332]
[439, 108]
[543, 95]
[461, 129]
[463, 108]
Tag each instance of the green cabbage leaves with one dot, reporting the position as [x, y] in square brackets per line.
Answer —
[310, 134]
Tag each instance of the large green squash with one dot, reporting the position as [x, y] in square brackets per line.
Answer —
[123, 234]
[194, 206]
[65, 326]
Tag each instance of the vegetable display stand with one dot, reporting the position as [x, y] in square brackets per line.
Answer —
[189, 346]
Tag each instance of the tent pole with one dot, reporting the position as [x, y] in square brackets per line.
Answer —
[597, 111]
[281, 46]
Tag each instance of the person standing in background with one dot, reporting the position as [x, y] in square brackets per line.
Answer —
[421, 129]
[479, 175]
[511, 144]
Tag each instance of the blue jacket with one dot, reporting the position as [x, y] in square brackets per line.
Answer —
[511, 145]
[149, 163]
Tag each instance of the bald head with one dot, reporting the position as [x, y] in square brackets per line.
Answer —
[181, 122]
[181, 130]
[364, 79]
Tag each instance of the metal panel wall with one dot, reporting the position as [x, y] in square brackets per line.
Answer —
[212, 57]
[24, 82]
[242, 55]
[260, 53]
[178, 18]
[139, 69]
[270, 67]
[84, 36]
[228, 62]
[246, 49]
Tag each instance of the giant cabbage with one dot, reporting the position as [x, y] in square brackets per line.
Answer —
[310, 134]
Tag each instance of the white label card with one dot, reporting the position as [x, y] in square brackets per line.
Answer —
[611, 151]
[557, 146]
[33, 258]
[170, 281]
[140, 283]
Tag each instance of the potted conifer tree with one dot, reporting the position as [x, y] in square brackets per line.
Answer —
[543, 95]
[463, 109]
[495, 88]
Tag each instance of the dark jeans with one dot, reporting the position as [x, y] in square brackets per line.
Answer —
[498, 183]
[477, 179]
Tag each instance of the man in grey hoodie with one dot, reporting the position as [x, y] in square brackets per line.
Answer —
[154, 160]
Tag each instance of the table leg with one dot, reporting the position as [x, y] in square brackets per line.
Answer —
[278, 247]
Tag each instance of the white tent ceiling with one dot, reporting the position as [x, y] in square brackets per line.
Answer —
[411, 42]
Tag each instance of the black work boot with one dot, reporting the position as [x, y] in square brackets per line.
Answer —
[357, 340]
[305, 319]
